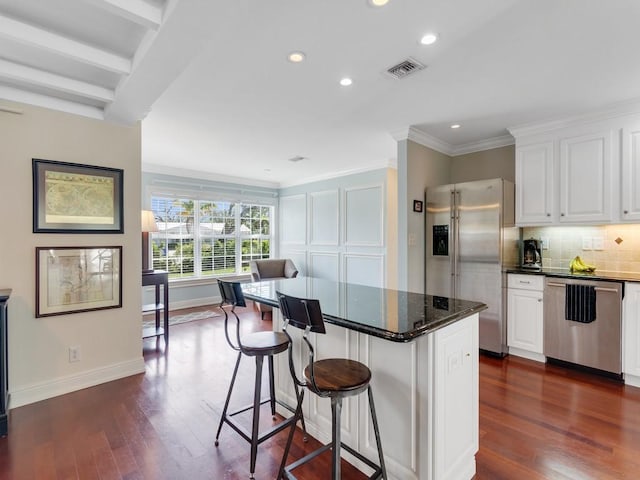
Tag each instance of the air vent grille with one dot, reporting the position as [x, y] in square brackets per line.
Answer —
[297, 158]
[405, 68]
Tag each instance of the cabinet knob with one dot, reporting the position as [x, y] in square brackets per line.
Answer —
[539, 300]
[626, 211]
[562, 214]
[548, 214]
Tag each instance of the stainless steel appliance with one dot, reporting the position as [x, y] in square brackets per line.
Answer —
[470, 242]
[592, 341]
[531, 254]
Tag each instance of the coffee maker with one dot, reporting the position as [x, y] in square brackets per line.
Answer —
[531, 254]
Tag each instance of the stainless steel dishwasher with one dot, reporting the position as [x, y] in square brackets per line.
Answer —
[594, 344]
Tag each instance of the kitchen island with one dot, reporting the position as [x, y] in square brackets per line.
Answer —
[423, 354]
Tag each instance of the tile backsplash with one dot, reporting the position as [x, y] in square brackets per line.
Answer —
[611, 248]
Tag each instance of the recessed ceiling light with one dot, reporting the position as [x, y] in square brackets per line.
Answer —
[296, 57]
[346, 81]
[429, 39]
[455, 125]
[378, 3]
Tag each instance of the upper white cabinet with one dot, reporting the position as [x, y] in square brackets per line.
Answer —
[583, 170]
[631, 173]
[585, 178]
[534, 184]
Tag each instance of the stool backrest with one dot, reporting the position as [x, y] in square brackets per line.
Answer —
[231, 293]
[301, 312]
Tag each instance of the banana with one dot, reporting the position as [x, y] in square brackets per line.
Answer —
[577, 265]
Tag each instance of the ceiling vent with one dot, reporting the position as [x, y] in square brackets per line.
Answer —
[297, 158]
[405, 68]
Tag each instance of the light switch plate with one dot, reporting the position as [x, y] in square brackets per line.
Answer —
[587, 243]
[598, 243]
[545, 243]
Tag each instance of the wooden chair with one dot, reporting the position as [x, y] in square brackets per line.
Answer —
[258, 345]
[335, 378]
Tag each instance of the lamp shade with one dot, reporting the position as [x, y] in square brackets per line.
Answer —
[149, 221]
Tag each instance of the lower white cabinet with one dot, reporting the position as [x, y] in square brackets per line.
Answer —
[425, 393]
[631, 334]
[525, 316]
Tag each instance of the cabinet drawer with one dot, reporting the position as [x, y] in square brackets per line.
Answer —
[526, 282]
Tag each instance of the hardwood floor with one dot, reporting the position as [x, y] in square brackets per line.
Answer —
[536, 422]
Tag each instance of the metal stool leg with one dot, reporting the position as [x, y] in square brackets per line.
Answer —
[256, 415]
[297, 414]
[226, 403]
[376, 431]
[336, 410]
[272, 388]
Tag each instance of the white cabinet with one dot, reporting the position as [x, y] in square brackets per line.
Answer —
[565, 179]
[455, 415]
[631, 173]
[534, 184]
[631, 334]
[585, 178]
[425, 393]
[525, 316]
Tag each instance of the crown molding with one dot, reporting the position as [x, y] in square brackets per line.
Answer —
[488, 144]
[195, 174]
[391, 163]
[620, 109]
[441, 146]
[31, 98]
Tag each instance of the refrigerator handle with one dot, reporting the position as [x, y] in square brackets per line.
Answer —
[453, 255]
[456, 247]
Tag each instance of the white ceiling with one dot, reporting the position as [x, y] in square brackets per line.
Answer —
[211, 80]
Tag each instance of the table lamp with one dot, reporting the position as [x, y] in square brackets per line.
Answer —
[148, 225]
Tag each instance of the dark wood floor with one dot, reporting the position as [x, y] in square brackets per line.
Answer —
[536, 422]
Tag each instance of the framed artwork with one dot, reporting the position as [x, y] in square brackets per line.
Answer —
[417, 206]
[77, 279]
[75, 198]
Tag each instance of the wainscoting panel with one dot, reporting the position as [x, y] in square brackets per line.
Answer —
[364, 216]
[293, 220]
[364, 269]
[323, 214]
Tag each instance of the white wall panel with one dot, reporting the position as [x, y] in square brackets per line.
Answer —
[293, 220]
[324, 265]
[364, 269]
[364, 215]
[324, 218]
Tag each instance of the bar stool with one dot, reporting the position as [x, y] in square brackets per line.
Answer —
[258, 345]
[335, 378]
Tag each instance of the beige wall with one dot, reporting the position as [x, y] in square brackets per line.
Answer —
[424, 168]
[109, 340]
[391, 240]
[494, 163]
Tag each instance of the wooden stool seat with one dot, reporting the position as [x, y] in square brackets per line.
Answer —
[339, 376]
[264, 343]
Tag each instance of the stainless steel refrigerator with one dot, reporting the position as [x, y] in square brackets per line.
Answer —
[470, 242]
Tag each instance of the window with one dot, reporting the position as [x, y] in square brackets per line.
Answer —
[203, 238]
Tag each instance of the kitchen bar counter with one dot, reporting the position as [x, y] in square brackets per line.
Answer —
[390, 314]
[565, 273]
[423, 355]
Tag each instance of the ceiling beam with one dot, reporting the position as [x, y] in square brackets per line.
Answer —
[34, 76]
[137, 11]
[52, 103]
[42, 39]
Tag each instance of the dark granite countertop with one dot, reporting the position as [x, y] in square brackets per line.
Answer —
[565, 273]
[390, 314]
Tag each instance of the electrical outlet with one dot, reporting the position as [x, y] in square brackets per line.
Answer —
[74, 354]
[587, 243]
[545, 243]
[598, 243]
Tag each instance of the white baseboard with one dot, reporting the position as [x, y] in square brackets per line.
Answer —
[59, 386]
[631, 380]
[194, 302]
[518, 352]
